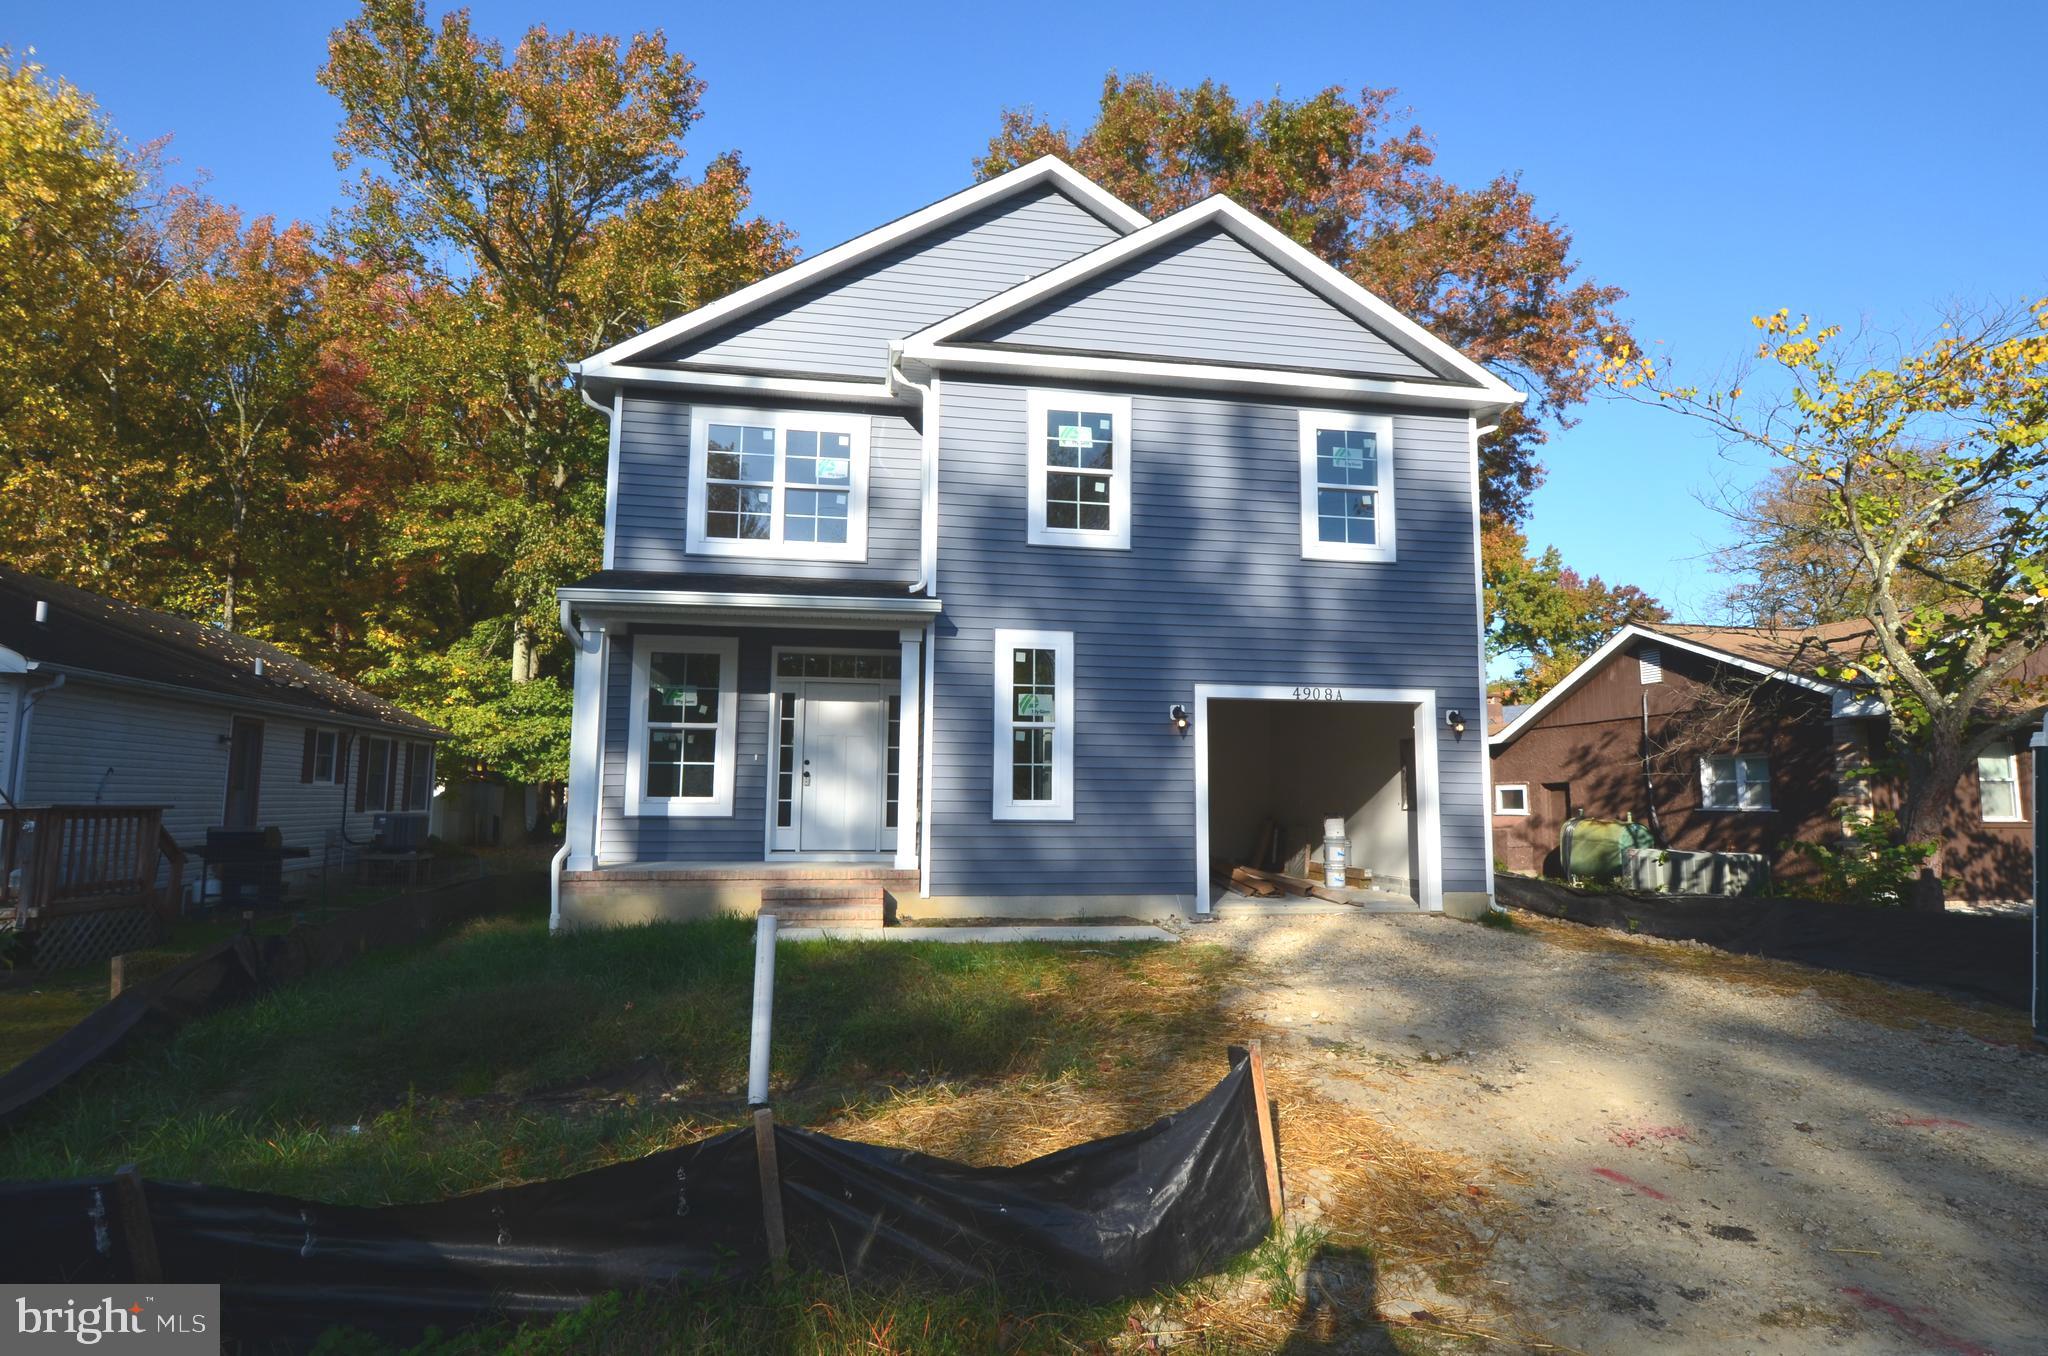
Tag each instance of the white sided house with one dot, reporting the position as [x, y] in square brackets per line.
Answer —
[106, 704]
[1027, 557]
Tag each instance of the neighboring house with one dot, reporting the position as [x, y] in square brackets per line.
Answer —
[1724, 739]
[1026, 556]
[105, 703]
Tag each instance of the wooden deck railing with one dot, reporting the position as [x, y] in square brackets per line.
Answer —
[58, 859]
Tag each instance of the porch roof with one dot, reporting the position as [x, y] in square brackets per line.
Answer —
[747, 600]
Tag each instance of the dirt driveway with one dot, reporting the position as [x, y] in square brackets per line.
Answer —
[1715, 1160]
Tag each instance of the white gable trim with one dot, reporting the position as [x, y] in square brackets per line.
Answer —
[1047, 170]
[1249, 230]
[1591, 664]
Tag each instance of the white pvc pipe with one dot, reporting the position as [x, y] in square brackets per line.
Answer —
[764, 1009]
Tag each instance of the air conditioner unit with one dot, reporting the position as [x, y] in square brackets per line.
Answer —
[400, 832]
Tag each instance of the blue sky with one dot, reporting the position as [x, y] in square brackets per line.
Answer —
[1862, 161]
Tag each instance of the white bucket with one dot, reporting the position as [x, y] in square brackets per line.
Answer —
[1336, 849]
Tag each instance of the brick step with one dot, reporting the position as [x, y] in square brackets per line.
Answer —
[817, 904]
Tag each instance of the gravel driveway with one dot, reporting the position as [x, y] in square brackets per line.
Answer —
[1711, 1166]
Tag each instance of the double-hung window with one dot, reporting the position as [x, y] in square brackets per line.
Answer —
[1998, 784]
[375, 793]
[782, 484]
[325, 762]
[1735, 782]
[1080, 469]
[685, 707]
[1034, 725]
[1347, 486]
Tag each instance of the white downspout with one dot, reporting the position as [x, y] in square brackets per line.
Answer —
[18, 756]
[1485, 735]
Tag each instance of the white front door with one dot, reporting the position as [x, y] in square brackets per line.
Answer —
[839, 801]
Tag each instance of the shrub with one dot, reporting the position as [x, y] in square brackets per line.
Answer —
[1869, 867]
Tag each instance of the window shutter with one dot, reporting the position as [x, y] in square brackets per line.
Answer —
[1650, 664]
[306, 761]
[363, 780]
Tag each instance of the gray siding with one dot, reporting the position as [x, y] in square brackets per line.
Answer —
[741, 836]
[1206, 298]
[842, 327]
[1214, 590]
[107, 745]
[653, 492]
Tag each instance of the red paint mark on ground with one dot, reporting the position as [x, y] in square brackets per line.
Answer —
[1931, 1123]
[1631, 1183]
[1630, 1137]
[1909, 1322]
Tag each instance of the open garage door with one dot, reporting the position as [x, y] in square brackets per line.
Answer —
[1274, 764]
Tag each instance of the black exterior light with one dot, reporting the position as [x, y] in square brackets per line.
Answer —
[1179, 716]
[1456, 720]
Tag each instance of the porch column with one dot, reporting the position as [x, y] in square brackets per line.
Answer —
[909, 751]
[586, 748]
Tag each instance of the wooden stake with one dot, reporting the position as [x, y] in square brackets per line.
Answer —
[138, 1235]
[771, 1191]
[1268, 1149]
[117, 976]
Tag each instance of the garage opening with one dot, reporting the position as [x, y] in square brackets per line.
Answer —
[1279, 770]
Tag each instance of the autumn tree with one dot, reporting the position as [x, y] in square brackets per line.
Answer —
[1480, 267]
[1927, 467]
[1547, 616]
[530, 207]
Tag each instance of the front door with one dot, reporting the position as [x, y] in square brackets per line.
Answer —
[840, 781]
[245, 774]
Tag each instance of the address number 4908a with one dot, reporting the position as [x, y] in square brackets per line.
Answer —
[1319, 694]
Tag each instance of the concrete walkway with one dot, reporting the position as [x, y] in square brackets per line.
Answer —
[1079, 932]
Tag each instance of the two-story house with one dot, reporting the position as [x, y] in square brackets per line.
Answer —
[1027, 556]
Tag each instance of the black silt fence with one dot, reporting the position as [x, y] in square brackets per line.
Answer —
[1981, 957]
[1113, 1217]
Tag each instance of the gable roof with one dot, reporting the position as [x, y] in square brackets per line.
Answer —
[92, 636]
[1752, 649]
[1045, 171]
[1462, 379]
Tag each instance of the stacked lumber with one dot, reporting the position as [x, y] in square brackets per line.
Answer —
[1249, 880]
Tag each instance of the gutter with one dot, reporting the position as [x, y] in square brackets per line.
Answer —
[17, 757]
[567, 621]
[204, 696]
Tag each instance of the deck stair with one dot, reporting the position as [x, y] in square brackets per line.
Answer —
[817, 904]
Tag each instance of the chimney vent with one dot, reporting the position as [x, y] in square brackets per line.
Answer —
[259, 666]
[42, 612]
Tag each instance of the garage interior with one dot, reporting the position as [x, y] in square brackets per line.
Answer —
[1278, 769]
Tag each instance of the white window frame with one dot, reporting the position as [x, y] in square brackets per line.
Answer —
[1118, 408]
[380, 804]
[1061, 806]
[1381, 426]
[1501, 808]
[2012, 763]
[718, 805]
[337, 765]
[1742, 783]
[854, 426]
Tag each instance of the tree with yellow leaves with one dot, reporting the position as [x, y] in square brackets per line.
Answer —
[1902, 452]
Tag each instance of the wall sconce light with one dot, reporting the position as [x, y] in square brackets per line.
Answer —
[1456, 720]
[1178, 715]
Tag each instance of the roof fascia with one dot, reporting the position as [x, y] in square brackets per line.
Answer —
[310, 715]
[1046, 170]
[859, 392]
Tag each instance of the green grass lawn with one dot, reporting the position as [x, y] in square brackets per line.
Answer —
[499, 1055]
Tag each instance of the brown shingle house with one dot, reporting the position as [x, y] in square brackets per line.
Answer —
[1724, 739]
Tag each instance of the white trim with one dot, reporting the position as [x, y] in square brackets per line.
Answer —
[907, 606]
[854, 428]
[1501, 809]
[928, 527]
[1742, 783]
[1001, 710]
[931, 723]
[1244, 226]
[844, 391]
[2019, 799]
[718, 805]
[1473, 434]
[1036, 531]
[909, 759]
[1278, 382]
[1312, 422]
[1046, 169]
[1592, 662]
[1429, 865]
